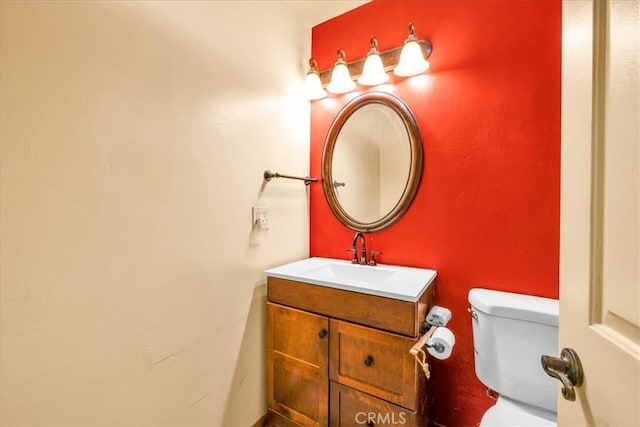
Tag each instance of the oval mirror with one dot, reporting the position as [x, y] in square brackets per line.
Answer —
[371, 162]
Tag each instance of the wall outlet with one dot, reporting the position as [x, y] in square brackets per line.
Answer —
[260, 218]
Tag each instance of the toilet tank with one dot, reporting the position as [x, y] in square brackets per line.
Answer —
[510, 333]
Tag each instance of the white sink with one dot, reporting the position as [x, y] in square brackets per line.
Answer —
[391, 281]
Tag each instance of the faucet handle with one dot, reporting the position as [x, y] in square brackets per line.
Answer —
[372, 258]
[354, 257]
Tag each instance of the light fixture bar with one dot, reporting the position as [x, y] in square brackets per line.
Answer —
[389, 58]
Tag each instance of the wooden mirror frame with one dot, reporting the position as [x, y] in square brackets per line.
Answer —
[415, 166]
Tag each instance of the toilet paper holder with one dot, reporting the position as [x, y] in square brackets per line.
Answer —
[422, 342]
[437, 317]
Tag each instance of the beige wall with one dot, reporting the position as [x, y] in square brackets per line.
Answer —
[133, 140]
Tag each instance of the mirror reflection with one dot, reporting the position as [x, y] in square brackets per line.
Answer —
[370, 166]
[371, 162]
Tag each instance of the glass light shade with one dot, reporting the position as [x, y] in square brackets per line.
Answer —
[373, 71]
[341, 79]
[411, 61]
[313, 86]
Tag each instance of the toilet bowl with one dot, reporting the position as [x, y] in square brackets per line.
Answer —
[510, 333]
[509, 413]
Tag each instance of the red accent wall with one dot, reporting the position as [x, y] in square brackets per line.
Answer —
[487, 210]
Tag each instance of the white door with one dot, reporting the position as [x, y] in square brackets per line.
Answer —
[600, 215]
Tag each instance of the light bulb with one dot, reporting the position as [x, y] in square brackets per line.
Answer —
[312, 83]
[341, 81]
[411, 61]
[373, 71]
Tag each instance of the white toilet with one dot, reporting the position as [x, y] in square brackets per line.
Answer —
[510, 333]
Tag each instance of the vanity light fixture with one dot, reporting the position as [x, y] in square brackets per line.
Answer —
[312, 84]
[341, 81]
[411, 61]
[405, 61]
[373, 72]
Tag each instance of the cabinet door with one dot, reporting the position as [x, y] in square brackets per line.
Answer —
[297, 365]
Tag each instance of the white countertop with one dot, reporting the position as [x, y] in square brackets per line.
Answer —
[391, 281]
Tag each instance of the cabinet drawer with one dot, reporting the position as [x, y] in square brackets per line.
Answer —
[354, 408]
[402, 317]
[375, 362]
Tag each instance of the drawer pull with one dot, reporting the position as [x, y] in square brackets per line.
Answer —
[368, 361]
[322, 333]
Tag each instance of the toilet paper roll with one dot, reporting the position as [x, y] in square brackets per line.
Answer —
[441, 343]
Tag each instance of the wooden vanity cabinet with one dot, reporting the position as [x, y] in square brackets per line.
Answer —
[341, 358]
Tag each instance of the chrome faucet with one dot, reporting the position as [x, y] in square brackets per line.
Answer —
[363, 249]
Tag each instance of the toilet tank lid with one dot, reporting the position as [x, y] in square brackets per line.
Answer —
[515, 306]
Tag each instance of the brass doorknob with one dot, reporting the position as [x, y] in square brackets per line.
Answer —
[567, 369]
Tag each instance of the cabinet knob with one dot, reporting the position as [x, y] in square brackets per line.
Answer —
[370, 424]
[322, 333]
[368, 361]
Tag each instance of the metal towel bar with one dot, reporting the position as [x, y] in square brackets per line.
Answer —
[268, 175]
